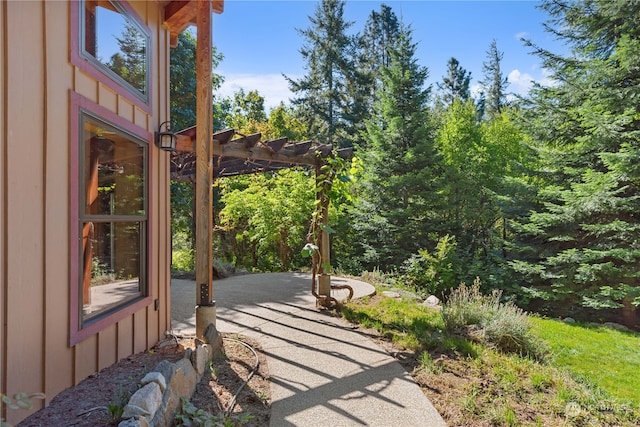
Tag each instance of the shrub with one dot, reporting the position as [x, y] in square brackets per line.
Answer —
[183, 260]
[436, 272]
[483, 318]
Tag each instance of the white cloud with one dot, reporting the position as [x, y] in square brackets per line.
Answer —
[475, 90]
[273, 87]
[520, 83]
[521, 35]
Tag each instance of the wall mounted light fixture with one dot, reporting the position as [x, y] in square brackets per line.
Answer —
[166, 140]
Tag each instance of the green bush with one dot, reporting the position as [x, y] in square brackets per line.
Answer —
[483, 318]
[433, 272]
[183, 260]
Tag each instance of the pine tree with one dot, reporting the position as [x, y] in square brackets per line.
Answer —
[455, 85]
[584, 239]
[130, 63]
[381, 32]
[392, 217]
[182, 83]
[323, 95]
[494, 85]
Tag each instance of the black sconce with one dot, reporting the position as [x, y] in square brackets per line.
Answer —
[166, 140]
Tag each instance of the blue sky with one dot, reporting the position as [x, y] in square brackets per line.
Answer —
[259, 41]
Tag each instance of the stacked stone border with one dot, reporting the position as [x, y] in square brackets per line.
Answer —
[155, 404]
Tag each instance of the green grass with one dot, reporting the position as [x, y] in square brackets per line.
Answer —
[590, 378]
[605, 357]
[408, 326]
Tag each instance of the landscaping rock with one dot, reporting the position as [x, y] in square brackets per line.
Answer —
[212, 337]
[135, 422]
[616, 326]
[391, 294]
[181, 382]
[569, 320]
[155, 377]
[199, 359]
[432, 300]
[144, 402]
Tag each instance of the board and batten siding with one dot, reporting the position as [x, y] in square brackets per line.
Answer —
[37, 80]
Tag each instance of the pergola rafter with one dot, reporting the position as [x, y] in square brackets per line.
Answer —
[247, 154]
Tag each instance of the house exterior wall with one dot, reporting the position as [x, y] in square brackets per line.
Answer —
[37, 84]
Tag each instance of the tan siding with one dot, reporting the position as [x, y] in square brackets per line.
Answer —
[24, 200]
[161, 192]
[34, 205]
[141, 118]
[125, 108]
[139, 331]
[86, 358]
[3, 192]
[106, 349]
[59, 357]
[85, 85]
[125, 338]
[107, 98]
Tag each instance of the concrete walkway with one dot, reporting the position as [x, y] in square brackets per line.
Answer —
[323, 371]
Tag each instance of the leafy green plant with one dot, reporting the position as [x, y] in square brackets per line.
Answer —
[191, 416]
[115, 408]
[19, 400]
[434, 272]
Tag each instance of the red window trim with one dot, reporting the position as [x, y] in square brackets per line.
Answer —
[76, 333]
[98, 74]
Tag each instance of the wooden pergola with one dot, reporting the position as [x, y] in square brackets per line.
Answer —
[204, 154]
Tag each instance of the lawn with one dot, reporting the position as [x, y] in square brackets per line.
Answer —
[589, 376]
[607, 358]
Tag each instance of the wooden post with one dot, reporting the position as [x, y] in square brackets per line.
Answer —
[205, 309]
[324, 278]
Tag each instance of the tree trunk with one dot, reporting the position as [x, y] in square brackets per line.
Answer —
[629, 314]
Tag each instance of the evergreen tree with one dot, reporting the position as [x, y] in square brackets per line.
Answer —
[380, 33]
[130, 63]
[182, 90]
[182, 84]
[584, 240]
[494, 85]
[455, 85]
[323, 96]
[393, 216]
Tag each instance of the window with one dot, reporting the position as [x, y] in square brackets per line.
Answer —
[113, 41]
[112, 218]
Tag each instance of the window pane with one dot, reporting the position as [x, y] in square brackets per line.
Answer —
[116, 42]
[112, 253]
[113, 172]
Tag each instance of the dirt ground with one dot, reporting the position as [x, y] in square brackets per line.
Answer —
[88, 404]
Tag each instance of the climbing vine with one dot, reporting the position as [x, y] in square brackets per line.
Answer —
[327, 172]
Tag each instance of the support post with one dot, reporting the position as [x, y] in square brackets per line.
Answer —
[324, 278]
[205, 306]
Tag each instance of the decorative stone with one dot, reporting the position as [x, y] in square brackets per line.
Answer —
[181, 382]
[432, 300]
[155, 377]
[569, 320]
[616, 326]
[200, 359]
[212, 337]
[391, 294]
[135, 422]
[144, 402]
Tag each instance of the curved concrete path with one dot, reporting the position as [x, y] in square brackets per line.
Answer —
[323, 371]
